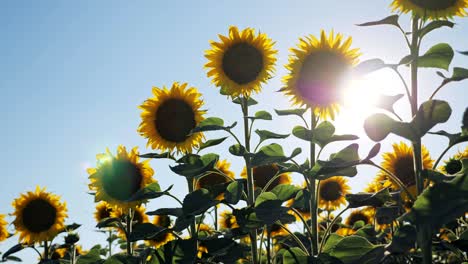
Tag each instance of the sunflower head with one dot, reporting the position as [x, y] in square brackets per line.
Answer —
[332, 192]
[241, 62]
[3, 228]
[454, 164]
[162, 220]
[39, 216]
[117, 178]
[317, 69]
[364, 215]
[400, 163]
[228, 220]
[169, 117]
[432, 9]
[264, 173]
[103, 211]
[214, 178]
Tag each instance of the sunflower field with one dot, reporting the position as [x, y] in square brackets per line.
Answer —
[284, 206]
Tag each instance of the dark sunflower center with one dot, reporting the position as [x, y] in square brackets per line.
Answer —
[121, 179]
[404, 170]
[353, 218]
[164, 221]
[211, 179]
[320, 77]
[242, 63]
[175, 119]
[434, 5]
[39, 215]
[330, 191]
[263, 174]
[104, 213]
[453, 166]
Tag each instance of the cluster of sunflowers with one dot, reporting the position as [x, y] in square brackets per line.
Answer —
[414, 211]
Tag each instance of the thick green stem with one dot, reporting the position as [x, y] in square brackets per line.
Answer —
[110, 242]
[72, 254]
[313, 190]
[250, 180]
[216, 218]
[424, 233]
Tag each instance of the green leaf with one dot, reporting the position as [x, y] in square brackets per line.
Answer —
[434, 25]
[233, 192]
[92, 257]
[434, 176]
[355, 249]
[146, 231]
[151, 191]
[369, 66]
[302, 133]
[246, 218]
[108, 222]
[285, 192]
[453, 138]
[379, 126]
[386, 102]
[16, 248]
[299, 112]
[431, 113]
[442, 202]
[198, 202]
[265, 134]
[211, 143]
[459, 74]
[269, 154]
[371, 199]
[196, 166]
[373, 152]
[263, 115]
[439, 56]
[390, 20]
[250, 101]
[270, 211]
[212, 124]
[165, 155]
[387, 215]
[342, 163]
[463, 53]
[295, 255]
[265, 196]
[237, 150]
[403, 239]
[323, 132]
[122, 259]
[167, 211]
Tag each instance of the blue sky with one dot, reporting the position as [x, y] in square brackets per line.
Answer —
[72, 74]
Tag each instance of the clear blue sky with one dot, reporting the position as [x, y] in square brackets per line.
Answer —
[72, 74]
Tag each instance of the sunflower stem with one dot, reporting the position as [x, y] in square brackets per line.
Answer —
[329, 228]
[110, 243]
[424, 235]
[46, 250]
[313, 190]
[216, 218]
[193, 224]
[268, 247]
[72, 254]
[250, 180]
[129, 219]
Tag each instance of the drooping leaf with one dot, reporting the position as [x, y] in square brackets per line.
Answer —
[368, 66]
[371, 199]
[250, 101]
[434, 25]
[212, 124]
[263, 115]
[165, 155]
[14, 249]
[269, 154]
[151, 191]
[237, 150]
[302, 133]
[285, 192]
[265, 134]
[211, 143]
[390, 20]
[355, 249]
[233, 192]
[298, 112]
[198, 202]
[108, 222]
[341, 163]
[167, 211]
[146, 231]
[196, 166]
[270, 211]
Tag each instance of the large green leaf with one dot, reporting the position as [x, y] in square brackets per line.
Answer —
[265, 134]
[354, 250]
[295, 255]
[434, 25]
[211, 143]
[145, 231]
[403, 239]
[442, 202]
[233, 192]
[196, 166]
[263, 115]
[185, 251]
[285, 192]
[298, 112]
[270, 154]
[302, 133]
[439, 56]
[212, 124]
[371, 199]
[151, 191]
[368, 66]
[92, 257]
[198, 202]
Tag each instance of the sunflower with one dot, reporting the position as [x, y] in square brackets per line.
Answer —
[400, 163]
[276, 230]
[332, 192]
[214, 178]
[39, 216]
[432, 9]
[103, 211]
[3, 228]
[164, 238]
[454, 164]
[228, 220]
[317, 69]
[117, 178]
[169, 117]
[364, 215]
[241, 62]
[263, 174]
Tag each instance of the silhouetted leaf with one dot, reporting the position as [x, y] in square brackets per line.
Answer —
[233, 192]
[355, 249]
[439, 56]
[198, 202]
[302, 133]
[263, 115]
[299, 112]
[403, 239]
[265, 134]
[434, 25]
[390, 20]
[146, 231]
[369, 66]
[211, 143]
